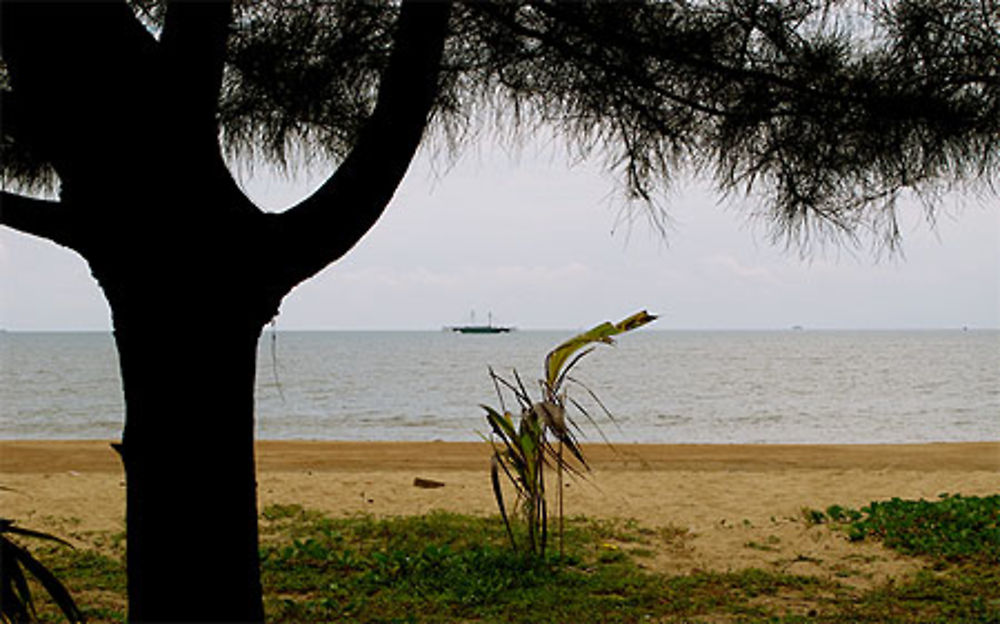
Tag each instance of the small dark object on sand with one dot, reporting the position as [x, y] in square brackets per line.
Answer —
[427, 483]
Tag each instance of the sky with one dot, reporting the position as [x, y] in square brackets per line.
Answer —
[542, 245]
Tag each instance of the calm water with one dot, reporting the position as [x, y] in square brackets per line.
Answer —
[751, 387]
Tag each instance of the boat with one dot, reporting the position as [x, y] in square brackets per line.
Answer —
[489, 328]
[481, 329]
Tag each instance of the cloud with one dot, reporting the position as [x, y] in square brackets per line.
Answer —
[463, 278]
[394, 278]
[730, 266]
[539, 275]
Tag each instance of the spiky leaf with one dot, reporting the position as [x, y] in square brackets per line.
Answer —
[600, 334]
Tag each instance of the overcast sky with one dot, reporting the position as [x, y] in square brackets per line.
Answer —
[542, 245]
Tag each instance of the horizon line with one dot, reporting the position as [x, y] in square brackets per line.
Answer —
[447, 329]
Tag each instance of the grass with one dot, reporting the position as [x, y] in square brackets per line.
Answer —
[444, 567]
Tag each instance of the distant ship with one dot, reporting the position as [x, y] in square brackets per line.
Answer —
[489, 328]
[481, 329]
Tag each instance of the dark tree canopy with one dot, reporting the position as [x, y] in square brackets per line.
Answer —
[136, 111]
[826, 110]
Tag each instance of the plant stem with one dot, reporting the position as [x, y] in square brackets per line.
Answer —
[559, 463]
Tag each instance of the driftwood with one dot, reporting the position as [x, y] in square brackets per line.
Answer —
[427, 483]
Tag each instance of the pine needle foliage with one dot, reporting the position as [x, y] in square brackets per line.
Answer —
[826, 112]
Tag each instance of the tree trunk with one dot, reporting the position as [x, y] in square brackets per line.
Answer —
[189, 462]
[188, 303]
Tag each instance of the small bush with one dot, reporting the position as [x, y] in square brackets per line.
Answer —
[955, 528]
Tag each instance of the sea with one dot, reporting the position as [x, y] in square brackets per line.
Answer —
[752, 387]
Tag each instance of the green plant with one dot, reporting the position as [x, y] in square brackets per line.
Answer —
[16, 603]
[953, 528]
[813, 516]
[526, 448]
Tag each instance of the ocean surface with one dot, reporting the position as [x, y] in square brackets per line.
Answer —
[661, 386]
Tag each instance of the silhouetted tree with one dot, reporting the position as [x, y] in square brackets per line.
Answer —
[826, 111]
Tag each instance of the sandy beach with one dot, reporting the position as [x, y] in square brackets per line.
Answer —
[720, 500]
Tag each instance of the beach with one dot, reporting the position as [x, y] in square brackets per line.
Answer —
[725, 507]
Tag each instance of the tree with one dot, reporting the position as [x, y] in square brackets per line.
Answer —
[826, 111]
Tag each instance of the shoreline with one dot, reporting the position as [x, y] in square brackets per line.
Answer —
[39, 456]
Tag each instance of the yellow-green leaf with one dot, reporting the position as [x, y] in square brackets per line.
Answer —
[636, 320]
[556, 358]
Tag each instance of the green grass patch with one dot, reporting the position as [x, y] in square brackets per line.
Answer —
[969, 594]
[443, 567]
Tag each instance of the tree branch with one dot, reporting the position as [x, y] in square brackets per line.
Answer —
[324, 226]
[193, 44]
[72, 37]
[38, 217]
[702, 61]
[65, 63]
[567, 49]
